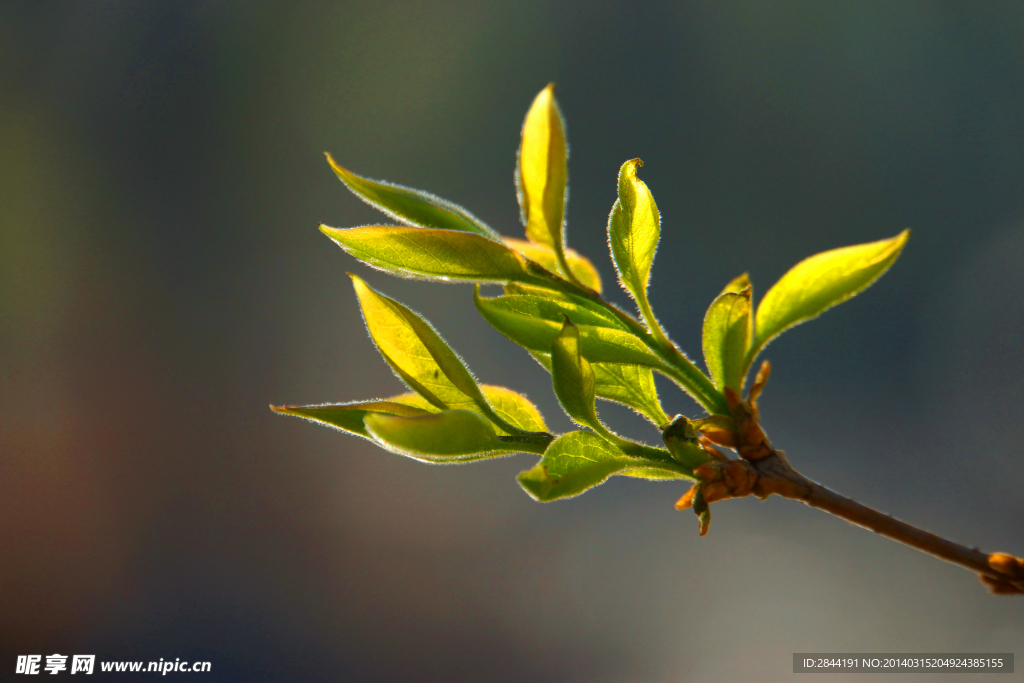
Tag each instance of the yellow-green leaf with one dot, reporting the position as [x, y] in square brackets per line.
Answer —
[738, 283]
[447, 255]
[820, 282]
[631, 385]
[414, 349]
[598, 344]
[447, 436]
[427, 365]
[514, 408]
[348, 417]
[575, 386]
[681, 438]
[728, 332]
[542, 171]
[578, 461]
[546, 257]
[634, 227]
[573, 378]
[409, 206]
[546, 304]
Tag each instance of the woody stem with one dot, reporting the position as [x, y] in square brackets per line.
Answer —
[777, 476]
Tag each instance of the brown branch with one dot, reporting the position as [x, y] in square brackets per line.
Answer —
[764, 471]
[721, 479]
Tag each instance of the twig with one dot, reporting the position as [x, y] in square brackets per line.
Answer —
[1001, 573]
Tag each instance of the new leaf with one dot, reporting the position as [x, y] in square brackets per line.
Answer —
[578, 461]
[348, 417]
[599, 343]
[546, 257]
[422, 359]
[447, 436]
[728, 331]
[634, 228]
[573, 378]
[409, 206]
[447, 255]
[818, 283]
[575, 386]
[542, 174]
[514, 408]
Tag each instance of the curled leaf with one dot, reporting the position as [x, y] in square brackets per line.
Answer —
[573, 378]
[681, 438]
[634, 228]
[728, 330]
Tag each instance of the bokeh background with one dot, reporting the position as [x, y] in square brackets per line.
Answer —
[162, 281]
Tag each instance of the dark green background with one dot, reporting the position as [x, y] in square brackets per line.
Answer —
[162, 280]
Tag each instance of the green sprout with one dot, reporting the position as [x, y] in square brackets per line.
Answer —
[552, 306]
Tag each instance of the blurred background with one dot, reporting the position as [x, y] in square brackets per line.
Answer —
[162, 281]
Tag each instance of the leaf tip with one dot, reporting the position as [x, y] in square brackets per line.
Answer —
[359, 284]
[338, 169]
[628, 169]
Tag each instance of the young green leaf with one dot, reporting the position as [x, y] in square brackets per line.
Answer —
[409, 206]
[728, 331]
[514, 408]
[422, 359]
[542, 174]
[631, 385]
[573, 378]
[348, 417]
[599, 344]
[738, 283]
[447, 436]
[547, 304]
[447, 255]
[820, 282]
[546, 257]
[575, 386]
[578, 461]
[681, 438]
[634, 228]
[411, 345]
